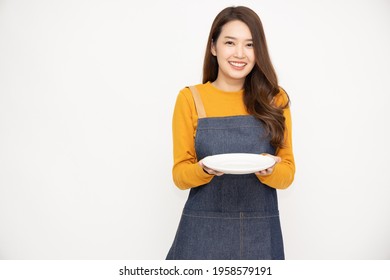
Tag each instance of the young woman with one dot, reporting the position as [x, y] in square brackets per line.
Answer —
[239, 108]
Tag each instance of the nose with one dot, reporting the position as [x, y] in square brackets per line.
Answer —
[239, 52]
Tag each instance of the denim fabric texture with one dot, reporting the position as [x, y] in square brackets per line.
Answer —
[233, 216]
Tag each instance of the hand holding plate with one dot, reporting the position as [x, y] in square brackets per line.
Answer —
[269, 170]
[209, 170]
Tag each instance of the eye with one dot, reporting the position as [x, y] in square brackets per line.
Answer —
[229, 43]
[249, 45]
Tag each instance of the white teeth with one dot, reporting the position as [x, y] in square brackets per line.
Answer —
[237, 64]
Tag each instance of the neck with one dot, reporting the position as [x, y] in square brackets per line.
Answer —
[228, 85]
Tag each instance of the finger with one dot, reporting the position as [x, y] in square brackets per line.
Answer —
[208, 170]
[264, 172]
[218, 173]
[213, 172]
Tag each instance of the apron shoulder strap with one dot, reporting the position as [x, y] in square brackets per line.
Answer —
[198, 102]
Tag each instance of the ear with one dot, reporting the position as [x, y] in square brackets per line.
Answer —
[213, 49]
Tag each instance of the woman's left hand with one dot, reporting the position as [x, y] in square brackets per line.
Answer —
[269, 170]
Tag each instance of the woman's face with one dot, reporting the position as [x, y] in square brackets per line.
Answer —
[234, 52]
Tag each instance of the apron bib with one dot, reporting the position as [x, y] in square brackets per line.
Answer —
[233, 216]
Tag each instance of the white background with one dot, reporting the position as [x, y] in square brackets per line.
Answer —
[87, 90]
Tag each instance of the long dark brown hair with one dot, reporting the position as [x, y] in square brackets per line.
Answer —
[261, 84]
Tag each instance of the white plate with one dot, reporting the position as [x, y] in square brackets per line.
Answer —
[238, 163]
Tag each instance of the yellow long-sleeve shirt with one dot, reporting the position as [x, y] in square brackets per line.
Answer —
[187, 173]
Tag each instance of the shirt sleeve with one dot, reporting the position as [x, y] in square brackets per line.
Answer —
[186, 171]
[284, 171]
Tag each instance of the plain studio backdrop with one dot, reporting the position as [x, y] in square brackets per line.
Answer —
[87, 91]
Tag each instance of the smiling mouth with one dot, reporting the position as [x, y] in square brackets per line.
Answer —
[237, 64]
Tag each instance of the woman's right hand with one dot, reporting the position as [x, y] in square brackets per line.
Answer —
[209, 170]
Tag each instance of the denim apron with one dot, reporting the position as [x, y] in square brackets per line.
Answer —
[233, 216]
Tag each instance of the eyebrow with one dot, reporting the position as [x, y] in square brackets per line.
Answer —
[234, 38]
